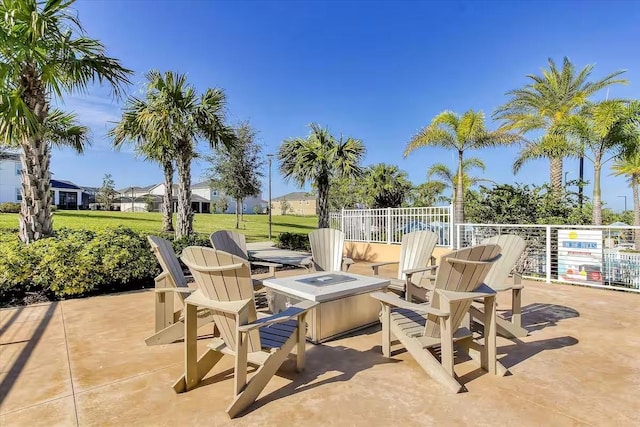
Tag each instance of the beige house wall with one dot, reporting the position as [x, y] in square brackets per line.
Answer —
[381, 252]
[296, 207]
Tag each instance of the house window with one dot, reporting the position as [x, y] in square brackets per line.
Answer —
[18, 195]
[215, 193]
[18, 169]
[306, 202]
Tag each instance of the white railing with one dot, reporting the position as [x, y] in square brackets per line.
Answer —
[388, 225]
[618, 266]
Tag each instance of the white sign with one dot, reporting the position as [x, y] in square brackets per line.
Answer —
[580, 256]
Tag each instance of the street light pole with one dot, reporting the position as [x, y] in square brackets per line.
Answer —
[625, 202]
[565, 177]
[270, 156]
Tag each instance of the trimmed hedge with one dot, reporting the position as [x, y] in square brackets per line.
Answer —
[293, 241]
[9, 207]
[78, 262]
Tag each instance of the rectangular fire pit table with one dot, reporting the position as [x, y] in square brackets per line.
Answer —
[345, 304]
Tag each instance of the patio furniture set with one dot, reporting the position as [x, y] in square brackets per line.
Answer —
[428, 307]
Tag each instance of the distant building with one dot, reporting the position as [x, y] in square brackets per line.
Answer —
[296, 203]
[66, 194]
[10, 177]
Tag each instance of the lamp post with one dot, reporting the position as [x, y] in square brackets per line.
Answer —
[565, 177]
[625, 202]
[270, 157]
[132, 198]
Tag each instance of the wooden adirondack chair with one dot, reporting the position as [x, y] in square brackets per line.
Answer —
[224, 286]
[415, 254]
[327, 246]
[235, 243]
[497, 279]
[171, 290]
[422, 328]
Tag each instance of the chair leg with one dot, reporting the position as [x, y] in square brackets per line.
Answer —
[206, 362]
[489, 348]
[240, 368]
[260, 379]
[446, 345]
[516, 307]
[302, 342]
[474, 350]
[385, 318]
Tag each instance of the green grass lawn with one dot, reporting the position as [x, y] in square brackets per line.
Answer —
[255, 227]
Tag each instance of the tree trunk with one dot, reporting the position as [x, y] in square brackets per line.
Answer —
[237, 214]
[167, 199]
[35, 211]
[241, 209]
[459, 192]
[636, 208]
[597, 195]
[323, 202]
[555, 175]
[185, 214]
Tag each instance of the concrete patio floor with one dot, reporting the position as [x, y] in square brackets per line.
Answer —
[84, 362]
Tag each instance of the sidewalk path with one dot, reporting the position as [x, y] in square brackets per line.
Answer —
[267, 251]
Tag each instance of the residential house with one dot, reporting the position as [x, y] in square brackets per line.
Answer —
[214, 195]
[296, 203]
[10, 177]
[66, 194]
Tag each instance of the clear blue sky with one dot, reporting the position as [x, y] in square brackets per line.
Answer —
[377, 71]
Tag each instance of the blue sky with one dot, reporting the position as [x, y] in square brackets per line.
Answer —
[377, 71]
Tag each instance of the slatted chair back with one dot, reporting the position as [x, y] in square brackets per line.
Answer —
[463, 270]
[168, 260]
[230, 284]
[327, 246]
[231, 242]
[416, 250]
[512, 249]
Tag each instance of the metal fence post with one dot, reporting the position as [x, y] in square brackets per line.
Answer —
[388, 226]
[342, 221]
[548, 254]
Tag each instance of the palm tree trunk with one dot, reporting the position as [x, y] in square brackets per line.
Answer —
[555, 175]
[460, 192]
[323, 202]
[635, 178]
[35, 212]
[597, 194]
[167, 198]
[185, 214]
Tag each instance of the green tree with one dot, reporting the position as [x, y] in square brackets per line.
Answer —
[285, 207]
[178, 114]
[542, 105]
[628, 165]
[237, 170]
[450, 178]
[43, 53]
[600, 127]
[106, 193]
[344, 193]
[316, 159]
[460, 133]
[386, 186]
[429, 194]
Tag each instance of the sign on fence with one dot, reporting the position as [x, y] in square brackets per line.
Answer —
[580, 256]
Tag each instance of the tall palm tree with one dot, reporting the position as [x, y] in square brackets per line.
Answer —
[601, 128]
[317, 158]
[177, 116]
[386, 186]
[450, 178]
[132, 127]
[43, 52]
[459, 133]
[544, 103]
[629, 165]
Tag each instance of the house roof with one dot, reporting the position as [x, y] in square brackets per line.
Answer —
[59, 183]
[5, 155]
[136, 189]
[203, 184]
[296, 195]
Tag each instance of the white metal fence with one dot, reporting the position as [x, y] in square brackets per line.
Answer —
[619, 265]
[388, 225]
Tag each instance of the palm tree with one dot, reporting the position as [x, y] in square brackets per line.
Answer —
[450, 178]
[386, 186]
[601, 128]
[460, 133]
[131, 127]
[43, 52]
[548, 100]
[317, 158]
[177, 116]
[629, 165]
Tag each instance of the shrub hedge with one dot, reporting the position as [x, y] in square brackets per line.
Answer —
[78, 262]
[293, 241]
[9, 207]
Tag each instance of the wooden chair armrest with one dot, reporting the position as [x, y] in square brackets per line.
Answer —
[306, 261]
[176, 290]
[346, 262]
[213, 269]
[289, 314]
[396, 301]
[481, 292]
[231, 307]
[517, 279]
[412, 271]
[266, 264]
[375, 266]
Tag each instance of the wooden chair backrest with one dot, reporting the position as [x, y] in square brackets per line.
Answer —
[233, 284]
[512, 248]
[168, 260]
[416, 250]
[327, 246]
[231, 242]
[463, 270]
